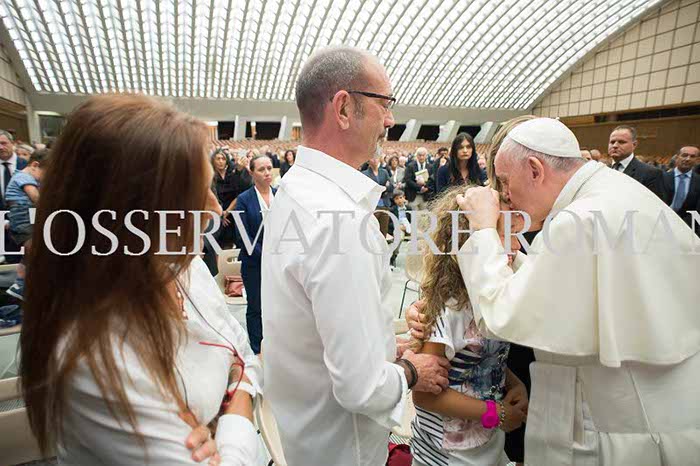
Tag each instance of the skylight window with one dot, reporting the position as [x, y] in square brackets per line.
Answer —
[456, 53]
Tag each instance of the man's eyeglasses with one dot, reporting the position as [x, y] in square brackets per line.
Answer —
[391, 100]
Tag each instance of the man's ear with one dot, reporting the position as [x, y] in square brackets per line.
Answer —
[535, 169]
[635, 145]
[342, 108]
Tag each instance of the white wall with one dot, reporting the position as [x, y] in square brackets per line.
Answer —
[655, 63]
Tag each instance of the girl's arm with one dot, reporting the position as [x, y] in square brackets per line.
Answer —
[450, 402]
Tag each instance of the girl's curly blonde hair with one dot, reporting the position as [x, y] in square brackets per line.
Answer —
[442, 279]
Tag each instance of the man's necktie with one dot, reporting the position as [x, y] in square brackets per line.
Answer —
[617, 166]
[6, 175]
[679, 197]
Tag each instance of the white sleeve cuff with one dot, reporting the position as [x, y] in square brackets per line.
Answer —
[396, 414]
[236, 440]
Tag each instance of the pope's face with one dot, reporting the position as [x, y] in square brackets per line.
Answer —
[520, 189]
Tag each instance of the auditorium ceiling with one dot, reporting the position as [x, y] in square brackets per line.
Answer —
[500, 54]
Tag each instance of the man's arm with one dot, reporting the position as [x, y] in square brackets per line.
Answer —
[344, 289]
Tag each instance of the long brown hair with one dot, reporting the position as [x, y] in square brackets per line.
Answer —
[122, 153]
[442, 279]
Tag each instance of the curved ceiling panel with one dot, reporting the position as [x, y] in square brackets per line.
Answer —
[446, 53]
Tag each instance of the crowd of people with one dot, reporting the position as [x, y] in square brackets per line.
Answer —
[134, 358]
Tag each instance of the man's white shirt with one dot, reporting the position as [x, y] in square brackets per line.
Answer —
[329, 344]
[625, 162]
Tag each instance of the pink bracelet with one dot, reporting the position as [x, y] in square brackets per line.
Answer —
[490, 418]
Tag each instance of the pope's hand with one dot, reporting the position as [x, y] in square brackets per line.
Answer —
[432, 372]
[481, 206]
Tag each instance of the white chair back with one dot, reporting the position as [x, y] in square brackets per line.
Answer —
[414, 267]
[227, 256]
[265, 421]
[17, 443]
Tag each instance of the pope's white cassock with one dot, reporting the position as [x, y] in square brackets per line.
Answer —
[616, 334]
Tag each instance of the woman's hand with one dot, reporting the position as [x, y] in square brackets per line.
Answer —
[415, 320]
[225, 219]
[200, 441]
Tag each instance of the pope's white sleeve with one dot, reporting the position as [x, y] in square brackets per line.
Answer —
[546, 304]
[236, 441]
[345, 293]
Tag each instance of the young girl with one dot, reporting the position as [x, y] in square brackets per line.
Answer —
[465, 424]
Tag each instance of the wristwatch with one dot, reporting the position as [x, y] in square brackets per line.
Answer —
[490, 418]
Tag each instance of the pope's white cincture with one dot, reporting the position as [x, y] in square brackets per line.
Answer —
[616, 334]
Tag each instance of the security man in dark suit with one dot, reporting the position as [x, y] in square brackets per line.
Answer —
[621, 146]
[9, 164]
[682, 185]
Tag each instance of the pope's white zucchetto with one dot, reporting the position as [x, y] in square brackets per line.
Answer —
[548, 136]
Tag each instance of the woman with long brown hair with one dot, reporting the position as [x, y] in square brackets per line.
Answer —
[126, 329]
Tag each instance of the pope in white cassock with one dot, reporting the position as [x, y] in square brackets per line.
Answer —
[607, 296]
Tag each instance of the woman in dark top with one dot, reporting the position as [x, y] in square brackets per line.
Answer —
[289, 157]
[463, 166]
[223, 185]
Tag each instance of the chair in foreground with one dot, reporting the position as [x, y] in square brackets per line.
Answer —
[267, 425]
[414, 266]
[229, 265]
[17, 443]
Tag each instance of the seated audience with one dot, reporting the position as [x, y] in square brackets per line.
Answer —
[124, 351]
[254, 204]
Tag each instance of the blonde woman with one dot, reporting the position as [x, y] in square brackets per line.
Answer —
[466, 423]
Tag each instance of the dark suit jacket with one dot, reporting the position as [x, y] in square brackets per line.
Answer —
[409, 178]
[692, 200]
[649, 176]
[251, 218]
[382, 179]
[21, 164]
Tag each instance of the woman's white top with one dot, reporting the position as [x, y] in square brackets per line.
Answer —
[92, 436]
